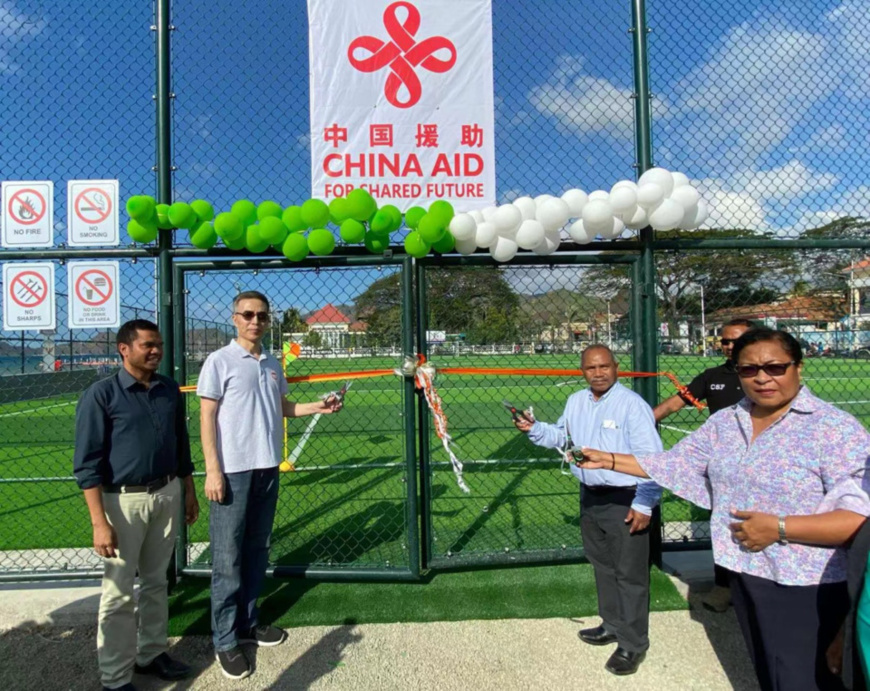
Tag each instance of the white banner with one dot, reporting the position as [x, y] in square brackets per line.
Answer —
[402, 101]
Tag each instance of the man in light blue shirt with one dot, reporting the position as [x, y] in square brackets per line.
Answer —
[615, 508]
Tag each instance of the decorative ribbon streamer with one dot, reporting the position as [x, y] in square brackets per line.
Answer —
[402, 54]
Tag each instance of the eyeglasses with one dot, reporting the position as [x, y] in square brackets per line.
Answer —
[248, 315]
[727, 341]
[773, 369]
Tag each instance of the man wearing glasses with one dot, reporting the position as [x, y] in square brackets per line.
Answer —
[720, 387]
[242, 391]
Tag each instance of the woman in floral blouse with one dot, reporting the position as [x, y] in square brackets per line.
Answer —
[778, 470]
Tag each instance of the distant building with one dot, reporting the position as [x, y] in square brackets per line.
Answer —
[335, 329]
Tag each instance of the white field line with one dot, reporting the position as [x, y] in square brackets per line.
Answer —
[676, 429]
[297, 452]
[34, 410]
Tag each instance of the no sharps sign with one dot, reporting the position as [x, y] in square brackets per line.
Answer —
[28, 296]
[92, 212]
[93, 295]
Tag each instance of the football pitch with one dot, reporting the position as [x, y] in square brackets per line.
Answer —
[346, 501]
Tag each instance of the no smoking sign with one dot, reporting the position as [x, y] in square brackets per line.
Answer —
[93, 300]
[28, 296]
[92, 212]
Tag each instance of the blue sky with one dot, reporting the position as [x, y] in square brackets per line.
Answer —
[766, 108]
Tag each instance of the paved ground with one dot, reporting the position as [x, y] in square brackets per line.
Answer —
[47, 642]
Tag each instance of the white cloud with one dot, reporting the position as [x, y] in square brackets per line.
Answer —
[850, 21]
[735, 210]
[827, 140]
[15, 28]
[785, 183]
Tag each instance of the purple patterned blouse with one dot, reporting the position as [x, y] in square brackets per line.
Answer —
[809, 461]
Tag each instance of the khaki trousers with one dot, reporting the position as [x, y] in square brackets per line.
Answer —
[145, 525]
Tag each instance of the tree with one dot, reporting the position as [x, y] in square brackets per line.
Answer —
[313, 339]
[380, 307]
[292, 322]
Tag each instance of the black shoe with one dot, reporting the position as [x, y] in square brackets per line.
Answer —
[623, 662]
[125, 687]
[165, 668]
[233, 663]
[264, 635]
[597, 636]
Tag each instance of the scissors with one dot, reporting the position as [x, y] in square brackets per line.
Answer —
[516, 414]
[339, 395]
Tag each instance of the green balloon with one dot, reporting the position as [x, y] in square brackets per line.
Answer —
[295, 247]
[141, 207]
[315, 213]
[292, 218]
[395, 216]
[246, 212]
[352, 231]
[413, 216]
[321, 242]
[140, 232]
[203, 210]
[204, 236]
[376, 244]
[229, 227]
[273, 230]
[416, 246]
[254, 241]
[236, 243]
[269, 208]
[163, 221]
[181, 215]
[361, 204]
[339, 210]
[381, 222]
[445, 245]
[443, 211]
[430, 228]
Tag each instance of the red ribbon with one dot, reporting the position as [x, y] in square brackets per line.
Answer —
[402, 54]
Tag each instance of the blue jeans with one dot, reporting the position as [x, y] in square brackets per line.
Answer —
[240, 529]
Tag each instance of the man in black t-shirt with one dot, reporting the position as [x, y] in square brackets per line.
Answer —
[720, 388]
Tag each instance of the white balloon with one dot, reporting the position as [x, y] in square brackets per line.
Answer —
[466, 247]
[596, 212]
[623, 200]
[530, 234]
[527, 207]
[477, 215]
[614, 231]
[507, 219]
[638, 220]
[649, 194]
[686, 196]
[630, 184]
[541, 198]
[549, 244]
[503, 250]
[575, 199]
[599, 194]
[463, 226]
[680, 179]
[660, 177]
[553, 213]
[701, 212]
[668, 215]
[579, 234]
[485, 234]
[489, 212]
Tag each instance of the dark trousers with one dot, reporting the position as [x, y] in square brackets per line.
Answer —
[240, 528]
[721, 576]
[788, 628]
[621, 564]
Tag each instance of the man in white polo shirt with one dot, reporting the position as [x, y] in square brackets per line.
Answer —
[242, 391]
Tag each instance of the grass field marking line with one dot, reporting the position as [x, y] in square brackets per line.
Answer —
[297, 452]
[567, 383]
[848, 402]
[34, 410]
[676, 429]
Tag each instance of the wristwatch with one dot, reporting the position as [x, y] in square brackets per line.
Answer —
[783, 540]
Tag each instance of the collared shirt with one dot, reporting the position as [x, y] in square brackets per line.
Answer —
[805, 463]
[250, 420]
[620, 421]
[719, 386]
[129, 434]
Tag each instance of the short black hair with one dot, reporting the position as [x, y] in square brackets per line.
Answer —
[129, 330]
[251, 295]
[748, 323]
[763, 334]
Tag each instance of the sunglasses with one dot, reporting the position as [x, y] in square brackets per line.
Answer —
[727, 341]
[773, 369]
[248, 315]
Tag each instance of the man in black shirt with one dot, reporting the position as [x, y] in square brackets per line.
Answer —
[131, 448]
[720, 387]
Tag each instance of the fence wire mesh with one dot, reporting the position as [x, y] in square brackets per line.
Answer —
[344, 485]
[44, 523]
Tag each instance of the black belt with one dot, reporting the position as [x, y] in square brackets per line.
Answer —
[149, 487]
[610, 489]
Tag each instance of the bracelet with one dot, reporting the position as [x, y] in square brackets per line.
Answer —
[612, 461]
[783, 540]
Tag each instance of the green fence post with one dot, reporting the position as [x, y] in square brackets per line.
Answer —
[179, 356]
[409, 411]
[426, 546]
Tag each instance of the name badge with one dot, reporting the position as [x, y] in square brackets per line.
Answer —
[609, 424]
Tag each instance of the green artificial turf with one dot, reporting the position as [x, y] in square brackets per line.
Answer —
[530, 592]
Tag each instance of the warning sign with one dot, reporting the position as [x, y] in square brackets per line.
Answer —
[28, 296]
[94, 298]
[28, 217]
[92, 212]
